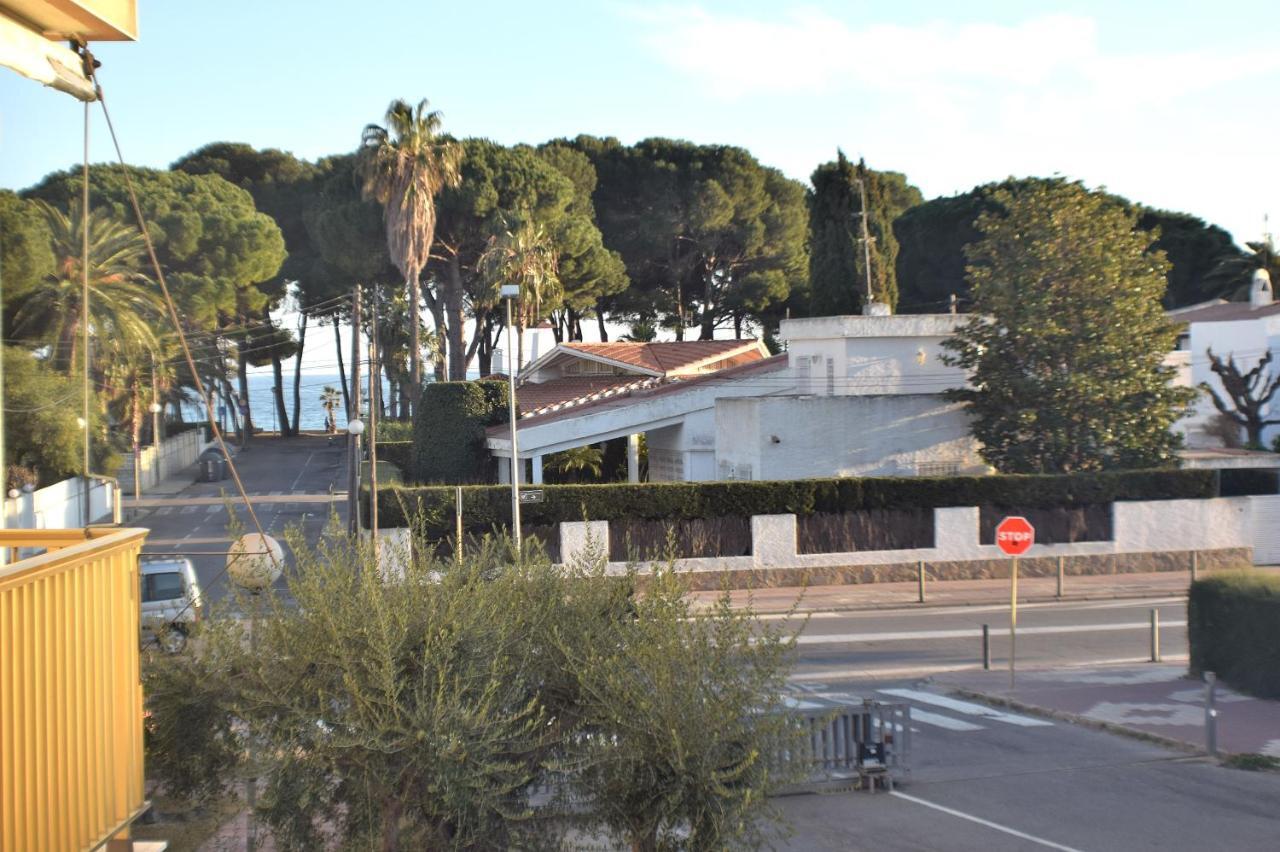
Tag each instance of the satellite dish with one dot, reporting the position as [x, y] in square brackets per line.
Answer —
[254, 561]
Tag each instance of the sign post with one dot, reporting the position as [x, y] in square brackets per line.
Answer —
[1014, 535]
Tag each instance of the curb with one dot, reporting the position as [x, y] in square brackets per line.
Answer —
[1084, 721]
[868, 607]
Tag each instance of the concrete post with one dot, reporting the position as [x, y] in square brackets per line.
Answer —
[537, 470]
[633, 458]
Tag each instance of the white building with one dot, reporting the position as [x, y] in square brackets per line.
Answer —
[867, 402]
[1246, 331]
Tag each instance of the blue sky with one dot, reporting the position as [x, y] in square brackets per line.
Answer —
[1171, 104]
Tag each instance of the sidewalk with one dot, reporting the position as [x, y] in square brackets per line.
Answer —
[1159, 700]
[958, 592]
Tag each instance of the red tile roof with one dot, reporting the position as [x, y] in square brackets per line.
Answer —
[671, 357]
[641, 393]
[532, 398]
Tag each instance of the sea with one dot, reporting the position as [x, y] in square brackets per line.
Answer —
[263, 408]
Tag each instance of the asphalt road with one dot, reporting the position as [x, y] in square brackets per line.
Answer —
[1013, 781]
[916, 642]
[290, 482]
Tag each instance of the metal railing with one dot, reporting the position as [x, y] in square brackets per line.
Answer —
[869, 742]
[71, 770]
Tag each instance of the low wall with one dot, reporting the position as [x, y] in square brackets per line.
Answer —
[1158, 535]
[61, 506]
[156, 464]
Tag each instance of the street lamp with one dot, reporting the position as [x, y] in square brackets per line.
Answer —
[355, 428]
[156, 408]
[509, 293]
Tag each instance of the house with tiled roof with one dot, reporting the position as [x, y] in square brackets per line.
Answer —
[579, 394]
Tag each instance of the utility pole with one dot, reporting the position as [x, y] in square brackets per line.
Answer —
[866, 237]
[84, 310]
[375, 388]
[511, 292]
[353, 440]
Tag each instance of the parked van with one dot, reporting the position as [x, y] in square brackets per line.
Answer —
[171, 601]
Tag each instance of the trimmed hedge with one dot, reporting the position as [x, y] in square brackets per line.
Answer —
[399, 453]
[488, 506]
[1233, 626]
[448, 431]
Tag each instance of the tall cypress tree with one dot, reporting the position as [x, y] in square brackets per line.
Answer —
[837, 273]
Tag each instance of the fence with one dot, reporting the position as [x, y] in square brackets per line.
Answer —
[71, 771]
[173, 455]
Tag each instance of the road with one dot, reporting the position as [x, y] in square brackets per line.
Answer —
[985, 779]
[290, 482]
[915, 642]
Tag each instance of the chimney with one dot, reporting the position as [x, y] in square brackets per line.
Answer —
[1260, 294]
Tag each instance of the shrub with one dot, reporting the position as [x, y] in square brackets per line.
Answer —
[865, 529]
[449, 431]
[486, 508]
[394, 431]
[1241, 482]
[398, 453]
[682, 539]
[421, 713]
[1054, 525]
[1233, 627]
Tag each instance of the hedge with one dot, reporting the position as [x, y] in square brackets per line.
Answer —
[399, 453]
[489, 506]
[449, 431]
[1233, 626]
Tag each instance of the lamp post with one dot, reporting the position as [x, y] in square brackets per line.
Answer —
[355, 427]
[511, 292]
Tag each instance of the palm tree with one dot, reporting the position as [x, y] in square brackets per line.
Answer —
[524, 255]
[403, 166]
[330, 399]
[122, 304]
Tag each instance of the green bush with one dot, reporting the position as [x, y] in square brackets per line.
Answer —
[398, 453]
[395, 431]
[488, 506]
[448, 431]
[1233, 626]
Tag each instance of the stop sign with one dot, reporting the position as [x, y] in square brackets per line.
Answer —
[1015, 535]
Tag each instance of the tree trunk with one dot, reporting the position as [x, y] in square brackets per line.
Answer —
[437, 317]
[453, 306]
[296, 429]
[342, 370]
[737, 326]
[415, 340]
[242, 374]
[576, 334]
[519, 335]
[282, 413]
[604, 333]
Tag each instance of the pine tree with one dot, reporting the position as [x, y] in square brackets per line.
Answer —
[1066, 345]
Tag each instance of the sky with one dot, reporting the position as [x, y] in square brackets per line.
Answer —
[1172, 104]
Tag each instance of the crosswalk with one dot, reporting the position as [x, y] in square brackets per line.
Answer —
[926, 708]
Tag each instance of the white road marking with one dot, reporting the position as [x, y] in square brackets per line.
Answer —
[894, 672]
[972, 632]
[966, 707]
[164, 510]
[937, 719]
[214, 507]
[189, 510]
[1013, 832]
[294, 487]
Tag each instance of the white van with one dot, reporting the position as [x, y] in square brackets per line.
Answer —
[171, 601]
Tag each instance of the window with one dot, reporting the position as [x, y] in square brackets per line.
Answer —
[941, 468]
[162, 587]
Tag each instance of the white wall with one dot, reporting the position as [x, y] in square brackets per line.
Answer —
[158, 463]
[818, 436]
[1248, 341]
[61, 506]
[1138, 527]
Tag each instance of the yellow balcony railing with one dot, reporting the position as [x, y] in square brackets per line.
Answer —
[71, 771]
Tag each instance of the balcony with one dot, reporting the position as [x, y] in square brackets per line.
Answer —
[71, 771]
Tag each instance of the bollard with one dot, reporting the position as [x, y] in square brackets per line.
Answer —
[986, 647]
[1155, 635]
[1211, 713]
[920, 575]
[1061, 561]
[1195, 566]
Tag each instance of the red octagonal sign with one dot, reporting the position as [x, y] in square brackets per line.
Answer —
[1015, 535]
